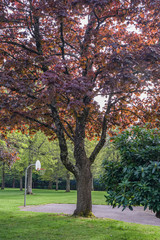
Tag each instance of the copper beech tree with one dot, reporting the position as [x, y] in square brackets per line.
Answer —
[57, 56]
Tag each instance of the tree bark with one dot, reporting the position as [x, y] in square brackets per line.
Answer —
[13, 183]
[84, 186]
[3, 176]
[21, 183]
[92, 184]
[50, 184]
[83, 175]
[56, 184]
[29, 187]
[67, 182]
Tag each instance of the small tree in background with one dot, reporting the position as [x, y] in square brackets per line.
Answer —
[135, 179]
[54, 167]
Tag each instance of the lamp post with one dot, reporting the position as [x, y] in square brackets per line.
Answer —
[38, 167]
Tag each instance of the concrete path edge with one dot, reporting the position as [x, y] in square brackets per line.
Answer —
[138, 215]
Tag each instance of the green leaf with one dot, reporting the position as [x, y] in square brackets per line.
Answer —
[131, 208]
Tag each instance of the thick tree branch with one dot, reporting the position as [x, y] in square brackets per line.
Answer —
[62, 141]
[103, 134]
[63, 44]
[70, 129]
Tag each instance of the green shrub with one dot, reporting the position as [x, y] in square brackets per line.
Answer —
[135, 180]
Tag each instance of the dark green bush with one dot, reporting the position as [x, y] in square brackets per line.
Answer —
[135, 180]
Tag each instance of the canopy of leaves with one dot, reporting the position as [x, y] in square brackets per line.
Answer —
[57, 56]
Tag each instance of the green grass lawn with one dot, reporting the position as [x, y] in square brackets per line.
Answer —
[15, 224]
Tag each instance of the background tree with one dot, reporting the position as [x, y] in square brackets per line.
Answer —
[35, 144]
[134, 180]
[57, 56]
[54, 167]
[20, 143]
[8, 155]
[30, 149]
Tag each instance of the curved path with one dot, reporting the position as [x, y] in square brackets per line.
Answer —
[138, 215]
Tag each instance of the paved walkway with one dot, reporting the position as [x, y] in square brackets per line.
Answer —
[138, 215]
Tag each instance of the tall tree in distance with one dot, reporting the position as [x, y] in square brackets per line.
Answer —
[57, 56]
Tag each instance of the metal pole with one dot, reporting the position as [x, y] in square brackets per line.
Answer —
[26, 183]
[25, 187]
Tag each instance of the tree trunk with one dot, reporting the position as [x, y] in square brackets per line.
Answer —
[3, 176]
[50, 184]
[29, 187]
[158, 214]
[56, 184]
[84, 199]
[13, 183]
[83, 174]
[67, 182]
[82, 168]
[21, 183]
[92, 184]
